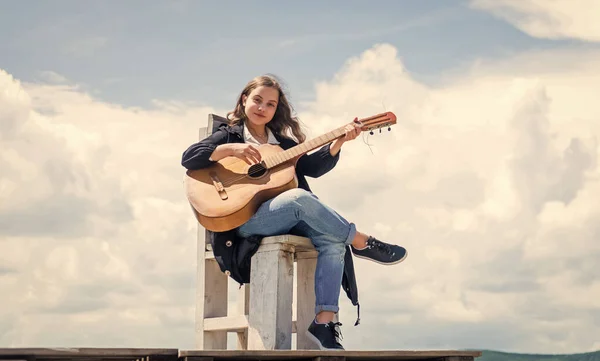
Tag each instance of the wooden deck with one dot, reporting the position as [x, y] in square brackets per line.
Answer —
[122, 354]
[328, 355]
[88, 354]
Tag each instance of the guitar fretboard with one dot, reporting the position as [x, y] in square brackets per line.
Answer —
[303, 148]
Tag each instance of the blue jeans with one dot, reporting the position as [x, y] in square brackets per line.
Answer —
[299, 212]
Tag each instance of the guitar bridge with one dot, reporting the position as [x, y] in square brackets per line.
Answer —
[218, 185]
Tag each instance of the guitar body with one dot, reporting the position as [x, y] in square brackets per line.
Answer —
[227, 194]
[224, 196]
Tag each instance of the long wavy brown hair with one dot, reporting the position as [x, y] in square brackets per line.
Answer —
[284, 121]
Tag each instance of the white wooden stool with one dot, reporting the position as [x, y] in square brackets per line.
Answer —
[263, 318]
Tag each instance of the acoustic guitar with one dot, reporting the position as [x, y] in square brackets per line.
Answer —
[226, 195]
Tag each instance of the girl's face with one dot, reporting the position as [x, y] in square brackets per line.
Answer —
[260, 105]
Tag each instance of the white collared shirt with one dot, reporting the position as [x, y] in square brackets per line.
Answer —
[249, 138]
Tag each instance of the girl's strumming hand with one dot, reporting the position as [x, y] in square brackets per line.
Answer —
[245, 152]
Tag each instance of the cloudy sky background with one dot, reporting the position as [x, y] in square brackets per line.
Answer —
[490, 177]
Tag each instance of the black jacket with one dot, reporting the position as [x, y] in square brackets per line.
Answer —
[234, 257]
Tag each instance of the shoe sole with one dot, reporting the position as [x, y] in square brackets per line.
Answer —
[318, 343]
[383, 263]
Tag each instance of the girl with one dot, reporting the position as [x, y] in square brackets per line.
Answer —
[263, 115]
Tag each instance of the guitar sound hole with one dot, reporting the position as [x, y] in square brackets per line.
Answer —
[257, 170]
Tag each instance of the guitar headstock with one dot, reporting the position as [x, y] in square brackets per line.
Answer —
[382, 120]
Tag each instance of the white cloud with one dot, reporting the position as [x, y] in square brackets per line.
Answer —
[93, 219]
[467, 178]
[490, 182]
[552, 19]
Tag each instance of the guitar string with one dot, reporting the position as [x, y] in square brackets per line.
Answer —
[229, 182]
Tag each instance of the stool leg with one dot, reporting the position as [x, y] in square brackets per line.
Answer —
[243, 306]
[271, 296]
[305, 307]
[212, 302]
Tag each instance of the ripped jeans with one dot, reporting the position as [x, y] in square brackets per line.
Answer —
[301, 213]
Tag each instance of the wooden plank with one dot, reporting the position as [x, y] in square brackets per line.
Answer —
[330, 358]
[389, 355]
[271, 293]
[214, 304]
[88, 354]
[276, 247]
[305, 297]
[243, 301]
[203, 133]
[234, 323]
[243, 309]
[202, 237]
[303, 245]
[200, 290]
[296, 241]
[87, 351]
[209, 278]
[202, 355]
[242, 340]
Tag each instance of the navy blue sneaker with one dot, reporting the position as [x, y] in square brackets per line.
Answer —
[381, 252]
[325, 335]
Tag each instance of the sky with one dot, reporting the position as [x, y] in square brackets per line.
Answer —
[490, 177]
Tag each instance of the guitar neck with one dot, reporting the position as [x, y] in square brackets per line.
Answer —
[303, 148]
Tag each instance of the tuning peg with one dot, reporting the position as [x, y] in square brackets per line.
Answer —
[379, 130]
[371, 132]
[389, 129]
